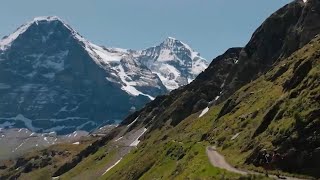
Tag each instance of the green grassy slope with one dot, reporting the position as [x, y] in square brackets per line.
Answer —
[41, 164]
[171, 153]
[279, 110]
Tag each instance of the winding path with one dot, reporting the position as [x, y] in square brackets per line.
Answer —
[217, 160]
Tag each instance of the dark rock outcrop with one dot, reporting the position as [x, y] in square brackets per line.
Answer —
[284, 32]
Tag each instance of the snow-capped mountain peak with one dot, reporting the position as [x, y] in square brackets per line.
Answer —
[55, 74]
[47, 18]
[7, 40]
[175, 62]
[119, 63]
[170, 42]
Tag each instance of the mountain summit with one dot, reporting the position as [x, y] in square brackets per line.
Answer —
[7, 41]
[53, 79]
[174, 62]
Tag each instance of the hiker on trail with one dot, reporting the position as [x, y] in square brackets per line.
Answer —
[268, 158]
[276, 158]
[266, 161]
[269, 161]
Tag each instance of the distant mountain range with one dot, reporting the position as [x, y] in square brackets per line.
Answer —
[53, 79]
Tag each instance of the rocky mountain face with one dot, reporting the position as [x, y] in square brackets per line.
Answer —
[285, 31]
[52, 79]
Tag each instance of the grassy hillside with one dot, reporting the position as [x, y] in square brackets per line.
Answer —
[278, 111]
[40, 164]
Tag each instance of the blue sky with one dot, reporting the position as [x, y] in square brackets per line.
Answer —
[208, 26]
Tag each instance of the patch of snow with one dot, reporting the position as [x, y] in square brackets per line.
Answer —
[133, 122]
[235, 136]
[7, 124]
[137, 141]
[55, 129]
[105, 55]
[63, 109]
[86, 123]
[46, 18]
[169, 84]
[76, 143]
[64, 119]
[49, 75]
[4, 86]
[26, 121]
[28, 87]
[129, 86]
[112, 166]
[19, 146]
[199, 66]
[7, 41]
[190, 80]
[166, 55]
[217, 97]
[74, 109]
[204, 111]
[118, 139]
[55, 62]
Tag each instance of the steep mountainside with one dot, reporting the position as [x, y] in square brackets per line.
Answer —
[285, 31]
[278, 111]
[52, 79]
